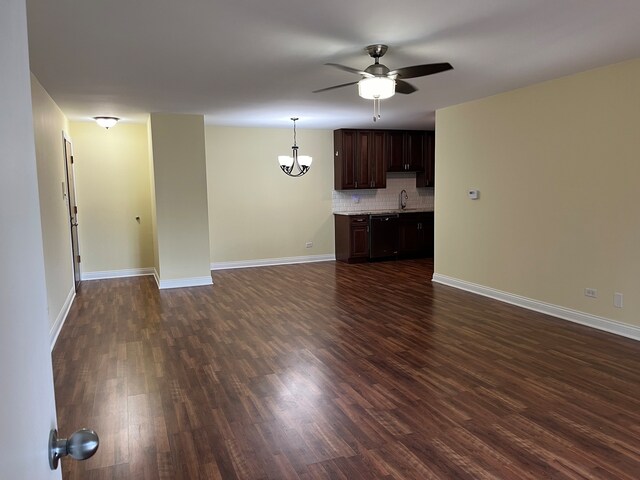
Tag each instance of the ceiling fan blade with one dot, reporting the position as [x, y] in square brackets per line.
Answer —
[421, 70]
[404, 87]
[347, 69]
[335, 86]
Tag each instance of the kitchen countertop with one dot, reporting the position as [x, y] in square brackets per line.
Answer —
[386, 212]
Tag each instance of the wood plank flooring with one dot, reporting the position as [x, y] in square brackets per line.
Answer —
[334, 371]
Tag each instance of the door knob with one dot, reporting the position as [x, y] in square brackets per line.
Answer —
[79, 446]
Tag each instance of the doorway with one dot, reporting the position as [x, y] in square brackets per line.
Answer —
[73, 209]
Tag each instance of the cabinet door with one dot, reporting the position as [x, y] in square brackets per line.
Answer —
[410, 238]
[377, 160]
[426, 178]
[395, 151]
[414, 151]
[359, 241]
[427, 228]
[363, 151]
[344, 142]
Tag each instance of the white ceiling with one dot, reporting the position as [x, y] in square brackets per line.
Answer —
[256, 62]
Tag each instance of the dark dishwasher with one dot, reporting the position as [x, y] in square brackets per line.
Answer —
[383, 236]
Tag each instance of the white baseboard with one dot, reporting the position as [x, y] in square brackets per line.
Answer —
[185, 282]
[563, 313]
[61, 318]
[266, 262]
[129, 272]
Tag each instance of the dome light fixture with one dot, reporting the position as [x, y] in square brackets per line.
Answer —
[106, 122]
[294, 165]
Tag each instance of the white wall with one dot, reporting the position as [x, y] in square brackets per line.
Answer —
[557, 165]
[49, 124]
[27, 408]
[180, 186]
[113, 188]
[255, 210]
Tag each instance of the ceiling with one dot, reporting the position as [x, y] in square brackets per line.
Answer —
[256, 62]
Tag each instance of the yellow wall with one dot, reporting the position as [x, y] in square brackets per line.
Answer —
[154, 215]
[255, 210]
[182, 219]
[113, 188]
[49, 123]
[557, 165]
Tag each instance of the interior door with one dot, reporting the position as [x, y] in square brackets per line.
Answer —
[73, 210]
[27, 407]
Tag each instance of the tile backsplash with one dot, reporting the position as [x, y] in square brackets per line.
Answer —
[385, 198]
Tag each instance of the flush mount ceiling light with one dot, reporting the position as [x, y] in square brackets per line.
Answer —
[294, 165]
[106, 122]
[378, 82]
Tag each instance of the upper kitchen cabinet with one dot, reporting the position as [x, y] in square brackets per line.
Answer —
[344, 168]
[405, 150]
[359, 161]
[427, 177]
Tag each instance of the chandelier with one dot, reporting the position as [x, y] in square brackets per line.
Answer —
[295, 165]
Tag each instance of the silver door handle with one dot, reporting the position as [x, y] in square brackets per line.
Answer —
[80, 446]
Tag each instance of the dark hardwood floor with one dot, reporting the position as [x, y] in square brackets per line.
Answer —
[329, 370]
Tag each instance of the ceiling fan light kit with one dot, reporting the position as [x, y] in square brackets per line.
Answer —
[372, 88]
[379, 83]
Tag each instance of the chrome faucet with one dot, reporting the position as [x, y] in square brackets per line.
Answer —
[403, 199]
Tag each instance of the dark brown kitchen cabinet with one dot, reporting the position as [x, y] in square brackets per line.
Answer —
[344, 169]
[415, 234]
[359, 161]
[352, 238]
[405, 150]
[427, 177]
[394, 235]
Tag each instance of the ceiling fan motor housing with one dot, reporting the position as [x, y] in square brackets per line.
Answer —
[377, 50]
[377, 69]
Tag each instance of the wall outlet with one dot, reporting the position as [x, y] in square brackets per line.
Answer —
[590, 292]
[355, 198]
[308, 244]
[617, 300]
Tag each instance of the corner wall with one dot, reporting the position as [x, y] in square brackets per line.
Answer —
[557, 165]
[256, 212]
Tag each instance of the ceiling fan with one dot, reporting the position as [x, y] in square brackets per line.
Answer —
[378, 82]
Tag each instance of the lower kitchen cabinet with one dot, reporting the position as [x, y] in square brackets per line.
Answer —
[363, 237]
[415, 234]
[352, 238]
